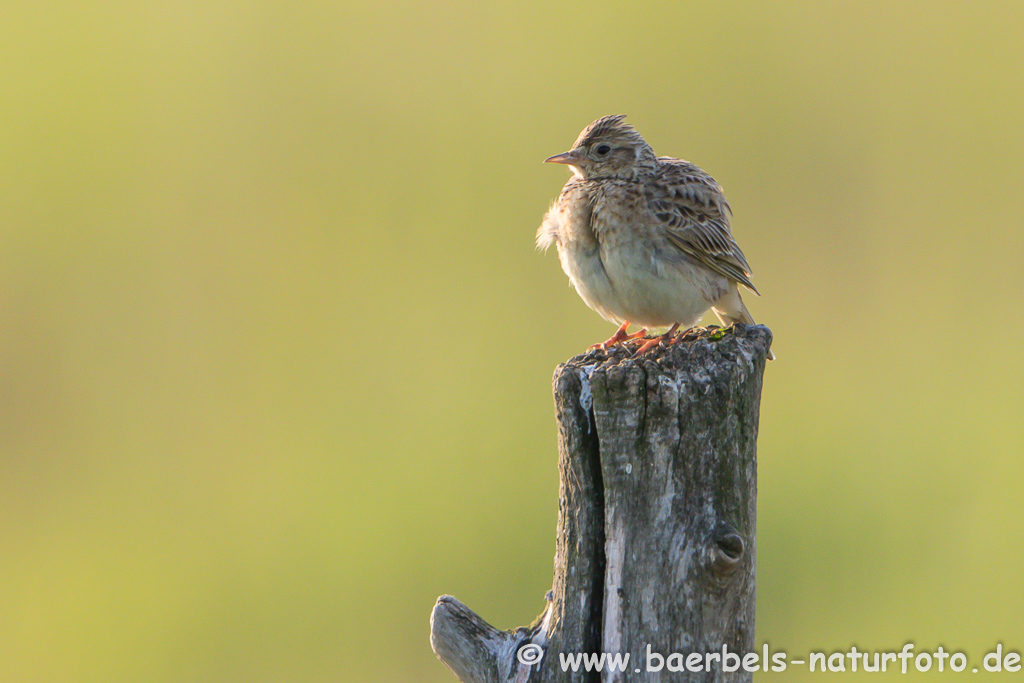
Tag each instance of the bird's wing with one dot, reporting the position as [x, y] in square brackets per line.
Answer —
[690, 205]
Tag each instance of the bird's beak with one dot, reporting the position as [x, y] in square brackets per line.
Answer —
[571, 157]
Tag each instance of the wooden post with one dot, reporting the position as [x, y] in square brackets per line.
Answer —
[656, 534]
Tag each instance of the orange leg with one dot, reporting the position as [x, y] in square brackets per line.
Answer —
[657, 341]
[619, 336]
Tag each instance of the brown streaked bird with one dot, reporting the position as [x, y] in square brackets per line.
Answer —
[644, 239]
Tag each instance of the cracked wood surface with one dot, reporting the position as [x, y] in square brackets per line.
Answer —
[656, 530]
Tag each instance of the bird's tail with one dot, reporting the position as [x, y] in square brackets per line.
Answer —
[743, 316]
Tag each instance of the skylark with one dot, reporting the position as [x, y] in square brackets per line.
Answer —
[644, 239]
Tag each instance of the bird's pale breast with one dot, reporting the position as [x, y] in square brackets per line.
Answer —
[610, 248]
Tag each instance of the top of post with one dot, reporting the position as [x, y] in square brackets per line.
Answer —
[700, 346]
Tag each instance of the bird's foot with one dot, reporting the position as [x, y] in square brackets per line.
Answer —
[619, 337]
[657, 341]
[683, 335]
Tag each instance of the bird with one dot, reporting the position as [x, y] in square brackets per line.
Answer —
[644, 239]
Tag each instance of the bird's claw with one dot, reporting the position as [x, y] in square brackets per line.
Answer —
[657, 341]
[619, 337]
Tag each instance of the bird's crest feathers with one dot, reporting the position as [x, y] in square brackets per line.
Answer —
[609, 127]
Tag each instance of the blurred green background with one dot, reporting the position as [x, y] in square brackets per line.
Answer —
[276, 347]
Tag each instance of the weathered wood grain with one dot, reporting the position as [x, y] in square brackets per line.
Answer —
[656, 532]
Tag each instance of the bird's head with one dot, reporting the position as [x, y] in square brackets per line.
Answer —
[608, 148]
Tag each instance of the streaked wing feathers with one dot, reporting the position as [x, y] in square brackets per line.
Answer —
[695, 214]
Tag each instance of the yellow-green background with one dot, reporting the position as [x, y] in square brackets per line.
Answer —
[275, 344]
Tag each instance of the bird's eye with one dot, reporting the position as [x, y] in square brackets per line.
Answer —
[603, 149]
